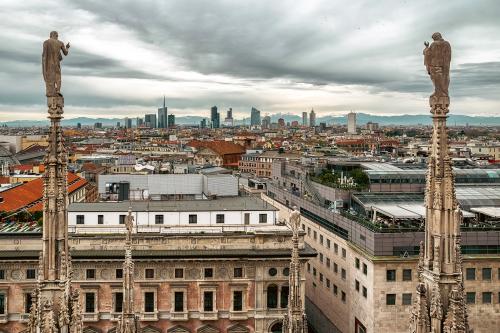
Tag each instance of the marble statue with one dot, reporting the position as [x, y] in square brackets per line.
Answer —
[51, 64]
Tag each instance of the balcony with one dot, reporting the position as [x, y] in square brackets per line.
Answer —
[238, 315]
[90, 317]
[4, 318]
[179, 316]
[149, 316]
[208, 315]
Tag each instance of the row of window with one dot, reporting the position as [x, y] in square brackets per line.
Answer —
[324, 241]
[343, 272]
[486, 273]
[391, 275]
[486, 298]
[327, 281]
[159, 219]
[179, 297]
[149, 273]
[30, 274]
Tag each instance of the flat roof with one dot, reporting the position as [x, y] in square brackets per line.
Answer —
[219, 204]
[488, 211]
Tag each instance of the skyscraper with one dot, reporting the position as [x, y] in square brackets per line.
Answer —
[139, 122]
[304, 118]
[229, 118]
[312, 118]
[171, 120]
[266, 122]
[351, 123]
[150, 120]
[162, 116]
[255, 117]
[214, 117]
[128, 122]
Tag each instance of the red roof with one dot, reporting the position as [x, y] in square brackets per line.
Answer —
[30, 194]
[219, 146]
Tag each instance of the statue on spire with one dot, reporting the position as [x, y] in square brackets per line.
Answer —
[437, 58]
[51, 64]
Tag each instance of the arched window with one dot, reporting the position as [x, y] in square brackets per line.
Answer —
[277, 328]
[284, 297]
[272, 296]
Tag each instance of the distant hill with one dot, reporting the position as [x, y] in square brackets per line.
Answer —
[362, 118]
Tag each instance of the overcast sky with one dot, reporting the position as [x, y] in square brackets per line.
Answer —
[279, 56]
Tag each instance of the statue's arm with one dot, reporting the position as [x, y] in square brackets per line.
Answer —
[64, 49]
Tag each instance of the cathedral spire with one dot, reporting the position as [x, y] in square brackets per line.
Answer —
[128, 321]
[295, 320]
[440, 304]
[54, 301]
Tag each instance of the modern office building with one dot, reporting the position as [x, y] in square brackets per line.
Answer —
[150, 120]
[163, 116]
[214, 117]
[171, 120]
[312, 118]
[128, 122]
[365, 275]
[255, 117]
[351, 123]
[304, 119]
[229, 122]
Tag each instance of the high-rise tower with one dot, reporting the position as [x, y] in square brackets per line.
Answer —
[295, 320]
[440, 304]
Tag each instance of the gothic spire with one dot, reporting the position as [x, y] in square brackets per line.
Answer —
[440, 304]
[128, 320]
[295, 320]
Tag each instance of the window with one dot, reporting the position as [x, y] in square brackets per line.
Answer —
[357, 263]
[2, 274]
[237, 300]
[365, 269]
[2, 304]
[80, 219]
[406, 299]
[321, 239]
[238, 272]
[343, 274]
[262, 218]
[390, 299]
[471, 297]
[343, 297]
[286, 271]
[118, 301]
[284, 297]
[406, 274]
[320, 277]
[308, 231]
[209, 273]
[179, 273]
[119, 273]
[100, 219]
[391, 275]
[90, 273]
[315, 235]
[357, 285]
[335, 267]
[89, 302]
[487, 297]
[486, 273]
[149, 273]
[193, 219]
[336, 248]
[158, 219]
[327, 243]
[28, 301]
[470, 274]
[308, 267]
[328, 283]
[30, 273]
[178, 301]
[321, 257]
[122, 219]
[328, 262]
[365, 292]
[149, 301]
[344, 253]
[272, 296]
[208, 301]
[273, 271]
[219, 218]
[335, 289]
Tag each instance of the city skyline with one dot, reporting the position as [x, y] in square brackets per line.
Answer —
[123, 66]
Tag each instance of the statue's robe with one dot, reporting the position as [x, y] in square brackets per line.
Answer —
[51, 67]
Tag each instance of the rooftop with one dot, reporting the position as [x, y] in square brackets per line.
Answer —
[219, 204]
